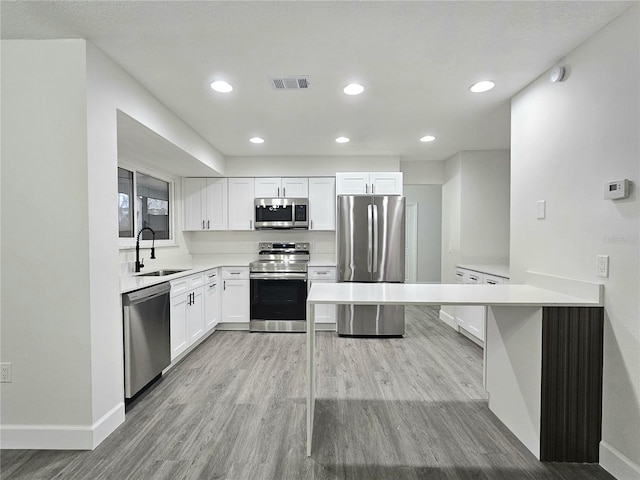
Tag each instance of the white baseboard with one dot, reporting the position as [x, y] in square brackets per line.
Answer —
[617, 464]
[448, 319]
[233, 326]
[61, 437]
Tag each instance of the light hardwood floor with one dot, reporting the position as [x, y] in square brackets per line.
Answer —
[410, 408]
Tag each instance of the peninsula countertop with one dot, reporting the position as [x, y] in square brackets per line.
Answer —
[442, 294]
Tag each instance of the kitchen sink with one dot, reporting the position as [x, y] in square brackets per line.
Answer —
[160, 273]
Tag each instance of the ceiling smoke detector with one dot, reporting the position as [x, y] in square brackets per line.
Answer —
[299, 82]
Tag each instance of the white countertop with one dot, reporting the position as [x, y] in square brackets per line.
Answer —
[442, 294]
[497, 269]
[135, 281]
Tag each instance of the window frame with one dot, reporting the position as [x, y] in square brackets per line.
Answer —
[127, 243]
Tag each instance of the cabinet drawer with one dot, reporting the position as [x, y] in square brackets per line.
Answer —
[473, 277]
[186, 284]
[494, 280]
[322, 273]
[235, 273]
[211, 276]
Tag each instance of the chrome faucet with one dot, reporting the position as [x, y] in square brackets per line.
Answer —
[139, 264]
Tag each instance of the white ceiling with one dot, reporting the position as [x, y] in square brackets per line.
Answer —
[415, 59]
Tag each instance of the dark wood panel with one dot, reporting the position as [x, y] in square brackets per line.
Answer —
[571, 415]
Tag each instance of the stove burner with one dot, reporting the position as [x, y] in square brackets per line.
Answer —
[281, 257]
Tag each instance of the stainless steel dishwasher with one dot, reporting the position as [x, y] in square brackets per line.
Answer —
[147, 338]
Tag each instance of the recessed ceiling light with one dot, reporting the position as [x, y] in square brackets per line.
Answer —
[428, 138]
[342, 140]
[483, 86]
[256, 140]
[353, 89]
[221, 86]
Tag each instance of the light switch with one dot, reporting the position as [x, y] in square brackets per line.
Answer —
[542, 209]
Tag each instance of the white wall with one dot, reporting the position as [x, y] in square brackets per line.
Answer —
[475, 210]
[429, 203]
[568, 139]
[61, 314]
[308, 166]
[484, 214]
[423, 173]
[46, 297]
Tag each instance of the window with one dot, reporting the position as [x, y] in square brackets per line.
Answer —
[151, 208]
[125, 194]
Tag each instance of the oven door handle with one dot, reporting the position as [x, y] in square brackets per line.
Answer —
[278, 276]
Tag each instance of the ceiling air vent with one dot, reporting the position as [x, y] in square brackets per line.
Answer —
[300, 82]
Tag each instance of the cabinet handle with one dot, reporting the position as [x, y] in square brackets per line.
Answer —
[278, 192]
[373, 188]
[310, 224]
[207, 224]
[250, 224]
[234, 273]
[203, 224]
[284, 192]
[366, 188]
[224, 284]
[323, 273]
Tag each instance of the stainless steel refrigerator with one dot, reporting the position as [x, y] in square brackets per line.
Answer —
[370, 236]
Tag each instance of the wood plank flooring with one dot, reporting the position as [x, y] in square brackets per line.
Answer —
[409, 408]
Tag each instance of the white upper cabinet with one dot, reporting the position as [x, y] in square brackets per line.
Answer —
[367, 183]
[205, 203]
[271, 187]
[322, 203]
[386, 183]
[241, 209]
[296, 187]
[268, 187]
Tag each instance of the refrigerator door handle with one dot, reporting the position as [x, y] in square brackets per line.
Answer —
[369, 236]
[375, 238]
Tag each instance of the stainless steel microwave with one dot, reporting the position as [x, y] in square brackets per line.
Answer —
[281, 213]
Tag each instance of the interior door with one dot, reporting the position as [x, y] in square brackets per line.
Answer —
[353, 238]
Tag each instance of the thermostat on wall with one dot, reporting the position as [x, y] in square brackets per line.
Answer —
[617, 189]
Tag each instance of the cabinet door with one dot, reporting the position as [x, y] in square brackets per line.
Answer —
[268, 187]
[295, 187]
[386, 183]
[474, 320]
[194, 203]
[241, 196]
[235, 301]
[179, 326]
[216, 204]
[356, 183]
[211, 306]
[195, 314]
[324, 313]
[322, 203]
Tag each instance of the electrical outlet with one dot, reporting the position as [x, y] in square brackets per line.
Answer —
[603, 265]
[5, 373]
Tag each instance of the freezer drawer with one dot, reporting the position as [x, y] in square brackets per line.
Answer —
[371, 320]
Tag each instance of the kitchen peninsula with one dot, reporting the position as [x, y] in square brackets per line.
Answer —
[528, 327]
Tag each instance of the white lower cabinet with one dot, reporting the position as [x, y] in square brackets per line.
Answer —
[471, 319]
[179, 332]
[323, 313]
[235, 295]
[187, 313]
[211, 299]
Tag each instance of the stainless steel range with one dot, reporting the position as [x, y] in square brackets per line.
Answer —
[279, 287]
